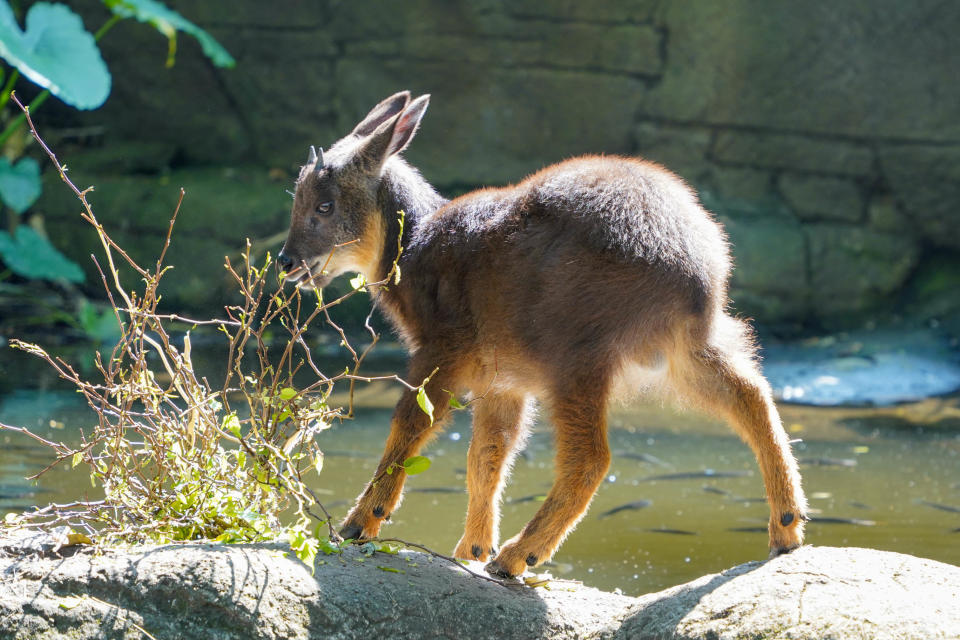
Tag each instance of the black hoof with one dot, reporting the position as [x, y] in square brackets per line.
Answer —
[779, 551]
[476, 550]
[493, 568]
[493, 552]
[531, 560]
[378, 512]
[351, 532]
[786, 519]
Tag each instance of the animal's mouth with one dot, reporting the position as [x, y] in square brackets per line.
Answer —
[306, 276]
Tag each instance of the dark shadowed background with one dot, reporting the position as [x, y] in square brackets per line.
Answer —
[825, 135]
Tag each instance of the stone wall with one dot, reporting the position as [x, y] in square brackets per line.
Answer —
[825, 135]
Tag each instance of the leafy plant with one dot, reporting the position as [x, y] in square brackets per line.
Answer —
[56, 52]
[179, 458]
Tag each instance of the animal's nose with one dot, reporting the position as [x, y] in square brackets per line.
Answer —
[285, 262]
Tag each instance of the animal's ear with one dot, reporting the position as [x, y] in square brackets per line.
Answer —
[407, 124]
[393, 136]
[381, 113]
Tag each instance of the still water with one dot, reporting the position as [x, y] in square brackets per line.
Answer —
[882, 478]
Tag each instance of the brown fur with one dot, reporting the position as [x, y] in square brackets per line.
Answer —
[555, 288]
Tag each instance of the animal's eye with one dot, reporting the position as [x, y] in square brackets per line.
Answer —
[325, 208]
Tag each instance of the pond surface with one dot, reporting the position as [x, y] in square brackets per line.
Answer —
[882, 478]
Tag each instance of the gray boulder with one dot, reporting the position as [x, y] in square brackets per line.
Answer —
[257, 591]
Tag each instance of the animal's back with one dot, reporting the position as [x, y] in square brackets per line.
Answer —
[616, 247]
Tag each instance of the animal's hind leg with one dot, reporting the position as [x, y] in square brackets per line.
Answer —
[723, 377]
[582, 460]
[500, 423]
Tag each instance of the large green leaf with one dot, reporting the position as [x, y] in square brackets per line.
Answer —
[56, 52]
[30, 255]
[168, 22]
[19, 183]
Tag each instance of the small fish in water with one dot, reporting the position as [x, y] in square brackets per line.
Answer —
[936, 505]
[630, 506]
[749, 500]
[530, 498]
[16, 507]
[748, 529]
[15, 491]
[676, 532]
[717, 490]
[644, 457]
[827, 462]
[859, 505]
[854, 521]
[693, 475]
[437, 489]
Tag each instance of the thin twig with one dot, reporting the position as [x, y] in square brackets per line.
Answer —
[504, 583]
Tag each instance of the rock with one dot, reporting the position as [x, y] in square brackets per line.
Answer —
[683, 150]
[884, 214]
[853, 268]
[827, 68]
[256, 591]
[811, 593]
[881, 367]
[927, 183]
[931, 293]
[506, 139]
[787, 151]
[770, 267]
[818, 198]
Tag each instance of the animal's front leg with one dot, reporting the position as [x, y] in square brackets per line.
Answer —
[410, 430]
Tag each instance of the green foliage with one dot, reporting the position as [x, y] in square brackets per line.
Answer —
[168, 22]
[424, 402]
[19, 183]
[98, 324]
[30, 254]
[57, 53]
[416, 464]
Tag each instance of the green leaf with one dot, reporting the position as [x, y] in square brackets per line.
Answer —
[287, 394]
[100, 324]
[390, 569]
[416, 464]
[19, 183]
[57, 53]
[358, 282]
[456, 404]
[425, 403]
[168, 22]
[77, 459]
[232, 424]
[30, 255]
[328, 547]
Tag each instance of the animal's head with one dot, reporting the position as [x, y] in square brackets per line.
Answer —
[336, 225]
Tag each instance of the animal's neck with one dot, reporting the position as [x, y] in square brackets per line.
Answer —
[402, 188]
